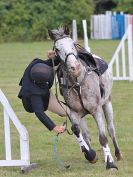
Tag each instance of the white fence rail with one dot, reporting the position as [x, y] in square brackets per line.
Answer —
[75, 35]
[8, 115]
[121, 64]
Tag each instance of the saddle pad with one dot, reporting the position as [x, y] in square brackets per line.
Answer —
[102, 66]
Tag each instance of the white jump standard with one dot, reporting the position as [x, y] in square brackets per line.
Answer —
[24, 161]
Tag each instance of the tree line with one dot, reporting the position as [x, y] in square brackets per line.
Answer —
[26, 20]
[29, 20]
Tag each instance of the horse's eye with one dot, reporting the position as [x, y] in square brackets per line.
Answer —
[57, 50]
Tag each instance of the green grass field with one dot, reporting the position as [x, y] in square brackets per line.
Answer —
[14, 57]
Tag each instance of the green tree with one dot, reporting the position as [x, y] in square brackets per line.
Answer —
[118, 5]
[82, 10]
[103, 5]
[23, 20]
[124, 5]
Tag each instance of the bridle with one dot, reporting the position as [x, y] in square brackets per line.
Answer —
[71, 53]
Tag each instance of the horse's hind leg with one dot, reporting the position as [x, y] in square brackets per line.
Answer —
[108, 112]
[89, 153]
[98, 115]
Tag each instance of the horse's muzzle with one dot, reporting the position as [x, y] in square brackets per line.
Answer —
[76, 70]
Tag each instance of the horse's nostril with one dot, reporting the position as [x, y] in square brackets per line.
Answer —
[73, 68]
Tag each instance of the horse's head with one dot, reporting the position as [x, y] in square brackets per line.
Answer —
[65, 48]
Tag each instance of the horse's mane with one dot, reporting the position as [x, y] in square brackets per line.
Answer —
[58, 33]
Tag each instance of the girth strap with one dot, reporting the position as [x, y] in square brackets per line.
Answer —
[77, 88]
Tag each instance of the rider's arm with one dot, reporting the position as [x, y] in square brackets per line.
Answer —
[37, 105]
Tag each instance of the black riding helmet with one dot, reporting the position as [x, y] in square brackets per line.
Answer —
[42, 74]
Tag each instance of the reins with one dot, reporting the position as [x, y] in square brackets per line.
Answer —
[60, 162]
[56, 94]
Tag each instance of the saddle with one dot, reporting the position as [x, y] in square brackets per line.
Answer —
[99, 65]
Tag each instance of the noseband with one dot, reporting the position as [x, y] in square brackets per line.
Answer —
[71, 53]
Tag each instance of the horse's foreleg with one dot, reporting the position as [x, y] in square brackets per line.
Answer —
[88, 152]
[85, 131]
[83, 145]
[103, 139]
[108, 112]
[76, 130]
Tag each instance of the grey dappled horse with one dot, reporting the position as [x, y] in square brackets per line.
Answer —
[81, 92]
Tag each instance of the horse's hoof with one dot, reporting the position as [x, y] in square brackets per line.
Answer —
[91, 156]
[119, 156]
[95, 159]
[110, 165]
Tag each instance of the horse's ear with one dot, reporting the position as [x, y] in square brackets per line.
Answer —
[66, 30]
[51, 35]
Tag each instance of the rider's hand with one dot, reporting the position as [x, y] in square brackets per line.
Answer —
[59, 129]
[51, 54]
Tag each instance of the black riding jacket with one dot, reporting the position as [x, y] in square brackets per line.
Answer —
[35, 97]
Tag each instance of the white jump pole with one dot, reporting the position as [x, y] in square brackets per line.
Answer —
[86, 44]
[74, 31]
